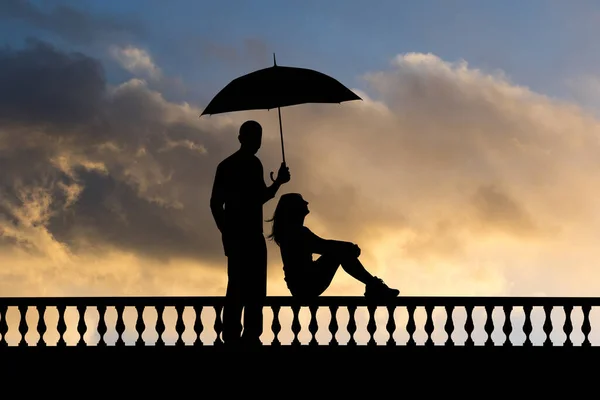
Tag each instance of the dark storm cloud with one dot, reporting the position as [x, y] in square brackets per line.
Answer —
[43, 86]
[111, 212]
[137, 165]
[69, 23]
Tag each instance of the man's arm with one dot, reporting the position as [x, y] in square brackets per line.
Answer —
[270, 191]
[217, 199]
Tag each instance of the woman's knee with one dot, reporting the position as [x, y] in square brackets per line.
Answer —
[344, 256]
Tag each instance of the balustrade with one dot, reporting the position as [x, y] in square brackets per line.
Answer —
[387, 328]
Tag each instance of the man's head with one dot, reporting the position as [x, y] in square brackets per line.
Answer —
[250, 136]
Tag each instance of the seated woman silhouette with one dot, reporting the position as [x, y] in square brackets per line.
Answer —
[304, 277]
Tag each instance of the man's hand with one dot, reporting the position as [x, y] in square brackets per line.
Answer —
[283, 175]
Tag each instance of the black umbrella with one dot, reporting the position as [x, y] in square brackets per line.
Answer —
[277, 87]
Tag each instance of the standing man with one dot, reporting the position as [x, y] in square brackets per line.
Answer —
[239, 192]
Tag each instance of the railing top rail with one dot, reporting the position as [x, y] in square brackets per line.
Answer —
[287, 301]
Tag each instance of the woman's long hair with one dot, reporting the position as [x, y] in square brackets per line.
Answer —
[286, 213]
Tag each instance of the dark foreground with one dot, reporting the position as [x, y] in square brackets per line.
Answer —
[299, 372]
[206, 358]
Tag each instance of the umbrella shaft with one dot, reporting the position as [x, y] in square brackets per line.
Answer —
[281, 134]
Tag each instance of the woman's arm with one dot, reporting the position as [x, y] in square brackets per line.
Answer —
[318, 245]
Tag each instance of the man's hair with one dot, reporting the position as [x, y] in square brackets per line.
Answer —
[248, 129]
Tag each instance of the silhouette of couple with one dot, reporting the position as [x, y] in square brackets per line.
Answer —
[238, 195]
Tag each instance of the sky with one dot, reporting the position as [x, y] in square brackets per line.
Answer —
[470, 167]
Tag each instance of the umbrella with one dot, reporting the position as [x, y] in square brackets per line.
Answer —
[276, 87]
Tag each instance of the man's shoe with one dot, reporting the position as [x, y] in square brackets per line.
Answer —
[251, 342]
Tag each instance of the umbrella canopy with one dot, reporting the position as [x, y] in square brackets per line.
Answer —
[277, 87]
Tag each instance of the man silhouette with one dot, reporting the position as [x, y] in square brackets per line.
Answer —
[239, 192]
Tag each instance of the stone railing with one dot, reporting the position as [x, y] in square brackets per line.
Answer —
[317, 324]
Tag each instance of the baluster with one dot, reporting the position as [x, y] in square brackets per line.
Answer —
[160, 324]
[411, 327]
[61, 326]
[296, 327]
[101, 325]
[333, 325]
[371, 325]
[81, 325]
[489, 325]
[275, 325]
[41, 325]
[548, 325]
[179, 325]
[198, 327]
[507, 328]
[120, 325]
[469, 326]
[429, 325]
[313, 326]
[527, 327]
[449, 327]
[3, 325]
[140, 326]
[391, 324]
[23, 324]
[218, 324]
[586, 328]
[568, 326]
[351, 325]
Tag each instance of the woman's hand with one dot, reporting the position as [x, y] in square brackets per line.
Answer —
[355, 250]
[347, 248]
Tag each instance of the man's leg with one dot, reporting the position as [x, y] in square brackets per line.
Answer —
[255, 290]
[232, 312]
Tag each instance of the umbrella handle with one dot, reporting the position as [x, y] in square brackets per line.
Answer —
[272, 173]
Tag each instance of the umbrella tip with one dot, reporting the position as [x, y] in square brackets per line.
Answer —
[274, 61]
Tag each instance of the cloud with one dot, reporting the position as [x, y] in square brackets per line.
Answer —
[36, 86]
[141, 65]
[475, 184]
[135, 60]
[495, 208]
[70, 23]
[93, 165]
[254, 51]
[452, 180]
[584, 89]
